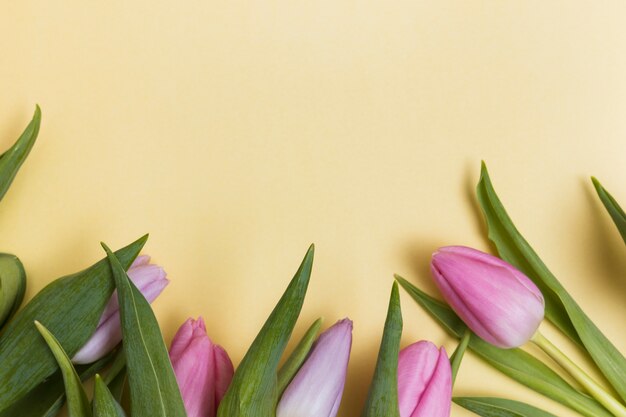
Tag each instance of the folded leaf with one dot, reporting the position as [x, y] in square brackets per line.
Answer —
[78, 299]
[382, 400]
[499, 407]
[13, 158]
[561, 308]
[77, 402]
[515, 363]
[253, 391]
[104, 405]
[12, 286]
[297, 357]
[153, 388]
[611, 205]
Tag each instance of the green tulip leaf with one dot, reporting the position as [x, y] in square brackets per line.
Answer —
[14, 157]
[115, 377]
[298, 356]
[611, 205]
[561, 308]
[77, 402]
[104, 404]
[382, 400]
[12, 286]
[253, 391]
[499, 407]
[515, 363]
[153, 388]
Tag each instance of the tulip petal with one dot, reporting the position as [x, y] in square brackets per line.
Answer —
[416, 365]
[436, 399]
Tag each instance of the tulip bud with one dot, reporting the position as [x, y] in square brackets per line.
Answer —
[151, 280]
[203, 370]
[317, 388]
[498, 302]
[424, 381]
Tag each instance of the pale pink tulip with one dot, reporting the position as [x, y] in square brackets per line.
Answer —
[498, 302]
[151, 280]
[317, 388]
[203, 370]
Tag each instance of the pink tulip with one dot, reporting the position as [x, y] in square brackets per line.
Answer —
[317, 388]
[424, 381]
[203, 370]
[151, 280]
[498, 302]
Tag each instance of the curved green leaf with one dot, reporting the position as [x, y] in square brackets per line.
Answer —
[253, 391]
[12, 286]
[297, 357]
[14, 157]
[382, 400]
[611, 205]
[515, 363]
[499, 407]
[77, 402]
[561, 308]
[78, 299]
[104, 405]
[153, 388]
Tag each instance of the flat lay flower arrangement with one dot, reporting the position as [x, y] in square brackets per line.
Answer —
[97, 325]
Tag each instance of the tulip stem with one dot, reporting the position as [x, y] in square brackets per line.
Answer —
[457, 356]
[589, 384]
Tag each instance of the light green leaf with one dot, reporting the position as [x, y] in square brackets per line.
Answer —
[253, 391]
[77, 402]
[12, 286]
[382, 400]
[104, 405]
[153, 388]
[78, 299]
[611, 205]
[13, 158]
[561, 308]
[515, 363]
[297, 357]
[499, 407]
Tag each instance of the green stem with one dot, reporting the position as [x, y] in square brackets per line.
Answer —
[591, 386]
[457, 356]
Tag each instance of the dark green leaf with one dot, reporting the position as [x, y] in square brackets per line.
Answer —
[104, 405]
[382, 400]
[77, 402]
[297, 357]
[13, 158]
[12, 286]
[515, 363]
[611, 205]
[499, 407]
[153, 388]
[78, 299]
[561, 308]
[115, 377]
[253, 391]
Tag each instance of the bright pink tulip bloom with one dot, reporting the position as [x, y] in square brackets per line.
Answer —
[317, 388]
[424, 381]
[151, 280]
[498, 302]
[203, 370]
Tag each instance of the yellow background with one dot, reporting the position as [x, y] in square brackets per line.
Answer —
[237, 133]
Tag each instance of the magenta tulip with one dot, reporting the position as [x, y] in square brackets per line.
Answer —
[498, 302]
[203, 370]
[317, 388]
[424, 381]
[151, 280]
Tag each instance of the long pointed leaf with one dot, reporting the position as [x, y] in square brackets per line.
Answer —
[13, 158]
[78, 299]
[611, 205]
[104, 405]
[153, 388]
[253, 391]
[499, 407]
[12, 286]
[77, 402]
[515, 363]
[382, 400]
[514, 249]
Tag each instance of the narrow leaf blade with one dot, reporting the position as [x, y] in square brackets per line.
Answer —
[104, 405]
[12, 285]
[611, 205]
[499, 407]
